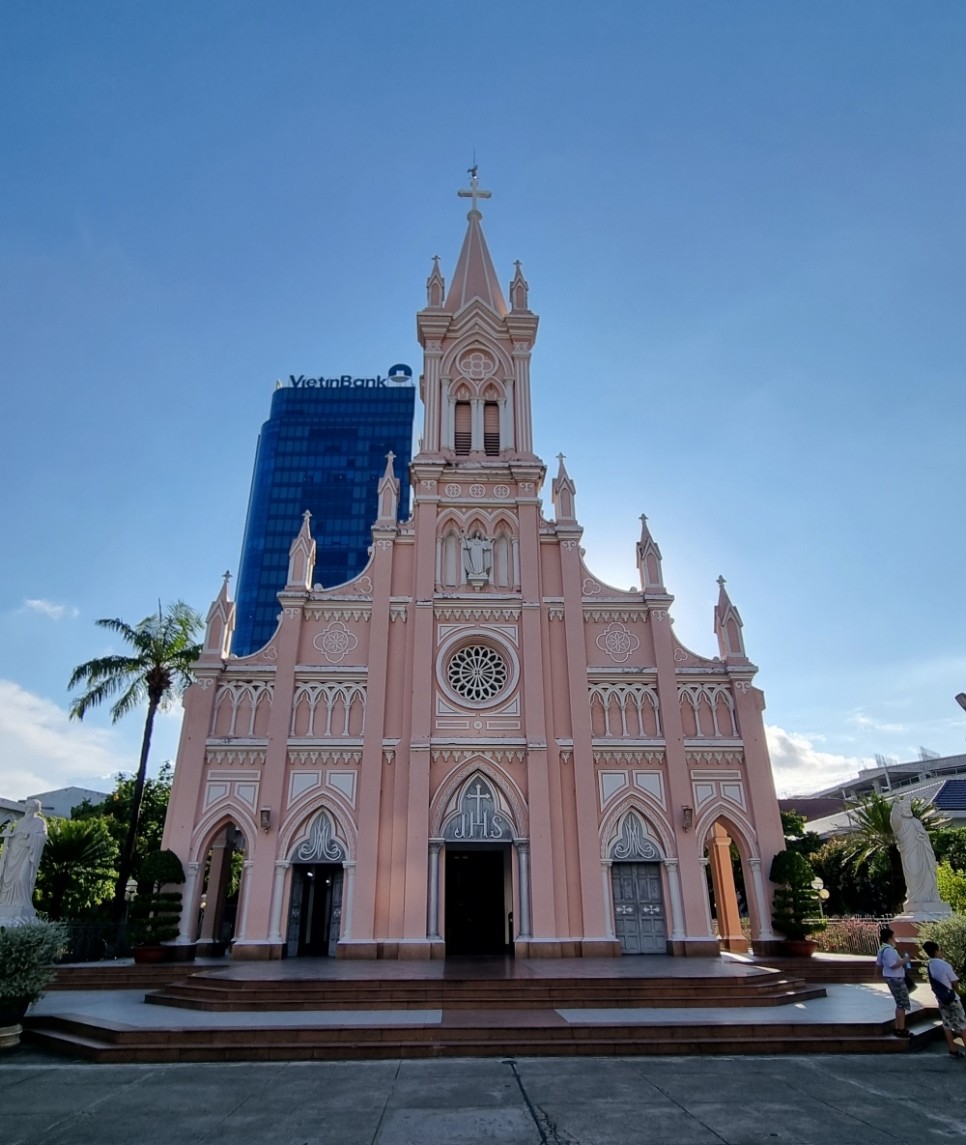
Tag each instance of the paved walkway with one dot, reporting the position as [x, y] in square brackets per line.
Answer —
[825, 1100]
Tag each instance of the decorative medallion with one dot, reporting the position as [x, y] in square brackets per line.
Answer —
[477, 672]
[335, 642]
[617, 642]
[680, 655]
[477, 490]
[453, 490]
[590, 587]
[476, 365]
[501, 491]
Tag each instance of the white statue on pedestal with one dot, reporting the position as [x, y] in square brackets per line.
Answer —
[918, 861]
[23, 842]
[477, 558]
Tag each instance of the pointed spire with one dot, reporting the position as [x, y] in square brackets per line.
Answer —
[220, 622]
[519, 290]
[564, 491]
[301, 558]
[727, 626]
[435, 286]
[474, 276]
[649, 560]
[388, 493]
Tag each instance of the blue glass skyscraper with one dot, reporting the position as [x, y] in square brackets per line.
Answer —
[324, 449]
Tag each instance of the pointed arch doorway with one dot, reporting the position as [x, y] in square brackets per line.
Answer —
[315, 902]
[640, 919]
[477, 845]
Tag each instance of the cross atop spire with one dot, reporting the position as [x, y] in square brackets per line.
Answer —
[474, 193]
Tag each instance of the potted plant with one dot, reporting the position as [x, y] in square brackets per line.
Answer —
[155, 915]
[796, 909]
[27, 956]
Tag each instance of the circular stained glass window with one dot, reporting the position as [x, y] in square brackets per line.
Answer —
[477, 673]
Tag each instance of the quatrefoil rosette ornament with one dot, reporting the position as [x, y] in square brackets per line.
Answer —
[335, 642]
[617, 642]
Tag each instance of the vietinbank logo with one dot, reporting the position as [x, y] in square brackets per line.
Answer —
[398, 375]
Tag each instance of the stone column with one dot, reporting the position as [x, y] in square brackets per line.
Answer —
[218, 872]
[523, 866]
[765, 932]
[674, 890]
[432, 908]
[703, 867]
[244, 894]
[607, 877]
[190, 898]
[278, 893]
[348, 884]
[725, 898]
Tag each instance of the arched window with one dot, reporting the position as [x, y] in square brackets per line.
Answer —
[462, 428]
[491, 429]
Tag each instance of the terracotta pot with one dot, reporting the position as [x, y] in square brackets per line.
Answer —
[799, 947]
[149, 954]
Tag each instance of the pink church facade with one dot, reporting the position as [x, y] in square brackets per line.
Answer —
[476, 746]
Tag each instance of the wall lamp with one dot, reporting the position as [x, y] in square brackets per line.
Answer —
[265, 818]
[687, 817]
[961, 700]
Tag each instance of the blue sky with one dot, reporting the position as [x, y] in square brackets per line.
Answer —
[743, 226]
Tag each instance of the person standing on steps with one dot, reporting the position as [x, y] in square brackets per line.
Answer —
[943, 979]
[893, 966]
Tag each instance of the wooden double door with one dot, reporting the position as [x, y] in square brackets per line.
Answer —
[639, 918]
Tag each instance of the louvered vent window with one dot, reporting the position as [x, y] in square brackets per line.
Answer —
[463, 429]
[491, 429]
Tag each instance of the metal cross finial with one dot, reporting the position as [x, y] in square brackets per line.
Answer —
[643, 518]
[474, 191]
[722, 581]
[560, 457]
[227, 576]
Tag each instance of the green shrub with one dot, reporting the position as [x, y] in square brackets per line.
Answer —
[950, 934]
[154, 918]
[27, 955]
[162, 867]
[952, 887]
[795, 904]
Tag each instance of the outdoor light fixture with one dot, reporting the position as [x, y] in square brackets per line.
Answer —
[265, 818]
[687, 817]
[961, 700]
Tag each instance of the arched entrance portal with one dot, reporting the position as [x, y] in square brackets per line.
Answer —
[222, 877]
[315, 902]
[640, 920]
[478, 838]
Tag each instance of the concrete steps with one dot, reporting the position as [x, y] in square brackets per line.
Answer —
[223, 994]
[488, 1034]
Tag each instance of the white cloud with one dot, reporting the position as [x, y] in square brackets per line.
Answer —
[42, 749]
[49, 608]
[860, 720]
[800, 769]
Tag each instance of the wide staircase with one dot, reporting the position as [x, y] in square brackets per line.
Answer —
[226, 1015]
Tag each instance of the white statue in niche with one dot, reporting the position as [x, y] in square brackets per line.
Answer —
[23, 842]
[477, 558]
[918, 860]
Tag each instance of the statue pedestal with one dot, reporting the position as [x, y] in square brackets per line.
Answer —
[906, 925]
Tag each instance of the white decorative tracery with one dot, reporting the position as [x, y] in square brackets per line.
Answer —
[341, 705]
[335, 642]
[321, 845]
[633, 843]
[478, 816]
[625, 710]
[477, 672]
[707, 710]
[617, 642]
[239, 705]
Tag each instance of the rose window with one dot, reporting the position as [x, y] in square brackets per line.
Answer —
[477, 673]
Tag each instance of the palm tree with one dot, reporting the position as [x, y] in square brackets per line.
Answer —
[77, 867]
[872, 834]
[157, 670]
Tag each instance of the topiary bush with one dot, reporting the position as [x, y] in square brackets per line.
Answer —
[796, 912]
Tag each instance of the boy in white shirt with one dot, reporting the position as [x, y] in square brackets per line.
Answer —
[943, 979]
[893, 966]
